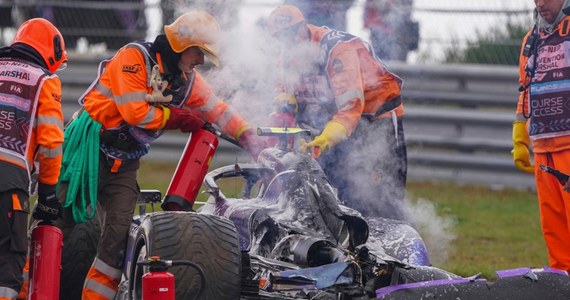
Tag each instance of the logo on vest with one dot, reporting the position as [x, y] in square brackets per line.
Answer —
[15, 74]
[56, 97]
[7, 119]
[16, 89]
[132, 68]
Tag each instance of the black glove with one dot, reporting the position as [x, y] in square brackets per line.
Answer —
[48, 207]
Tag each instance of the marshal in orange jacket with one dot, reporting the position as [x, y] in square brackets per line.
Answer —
[119, 96]
[358, 83]
[31, 116]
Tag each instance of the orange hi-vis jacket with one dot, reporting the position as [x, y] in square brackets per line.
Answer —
[117, 100]
[348, 83]
[544, 100]
[31, 119]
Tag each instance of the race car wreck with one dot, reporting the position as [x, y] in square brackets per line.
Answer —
[302, 243]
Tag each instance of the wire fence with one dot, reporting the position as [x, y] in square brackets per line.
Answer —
[448, 30]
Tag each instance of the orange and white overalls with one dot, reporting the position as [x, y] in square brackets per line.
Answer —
[546, 105]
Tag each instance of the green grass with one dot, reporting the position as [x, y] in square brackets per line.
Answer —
[493, 229]
[471, 229]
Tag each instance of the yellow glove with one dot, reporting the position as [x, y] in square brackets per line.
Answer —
[520, 152]
[158, 86]
[303, 146]
[333, 133]
[286, 103]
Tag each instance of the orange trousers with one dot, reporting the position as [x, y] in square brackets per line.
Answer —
[554, 206]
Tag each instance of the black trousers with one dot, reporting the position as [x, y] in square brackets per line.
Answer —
[13, 238]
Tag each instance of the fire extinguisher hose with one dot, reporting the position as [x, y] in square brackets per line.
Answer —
[80, 166]
[198, 269]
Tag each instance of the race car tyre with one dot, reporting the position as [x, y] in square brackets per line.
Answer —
[209, 241]
[79, 250]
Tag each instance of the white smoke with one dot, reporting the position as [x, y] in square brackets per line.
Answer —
[248, 75]
[247, 78]
[436, 231]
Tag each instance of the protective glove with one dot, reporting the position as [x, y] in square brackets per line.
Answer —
[304, 146]
[158, 86]
[48, 207]
[251, 142]
[520, 152]
[285, 103]
[180, 118]
[333, 133]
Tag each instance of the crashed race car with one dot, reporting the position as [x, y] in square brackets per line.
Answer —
[288, 236]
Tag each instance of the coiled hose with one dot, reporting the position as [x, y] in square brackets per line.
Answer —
[80, 166]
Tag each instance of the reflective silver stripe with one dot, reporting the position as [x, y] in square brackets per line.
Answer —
[341, 100]
[100, 289]
[50, 120]
[14, 158]
[147, 60]
[55, 152]
[130, 97]
[226, 117]
[210, 104]
[127, 98]
[104, 268]
[8, 293]
[395, 124]
[103, 90]
[149, 116]
[520, 118]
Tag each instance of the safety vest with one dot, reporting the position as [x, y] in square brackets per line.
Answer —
[326, 90]
[127, 142]
[20, 86]
[549, 103]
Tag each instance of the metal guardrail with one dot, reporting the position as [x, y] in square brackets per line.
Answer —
[455, 130]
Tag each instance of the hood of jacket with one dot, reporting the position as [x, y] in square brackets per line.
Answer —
[549, 27]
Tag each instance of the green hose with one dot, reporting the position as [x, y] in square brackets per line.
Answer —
[80, 166]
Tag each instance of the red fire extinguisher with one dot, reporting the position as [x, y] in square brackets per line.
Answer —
[158, 283]
[191, 170]
[45, 262]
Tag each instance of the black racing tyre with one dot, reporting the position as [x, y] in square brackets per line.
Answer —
[206, 240]
[79, 250]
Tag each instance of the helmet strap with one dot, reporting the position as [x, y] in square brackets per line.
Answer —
[170, 58]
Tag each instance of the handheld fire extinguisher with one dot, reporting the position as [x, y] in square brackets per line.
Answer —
[158, 283]
[45, 262]
[191, 170]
